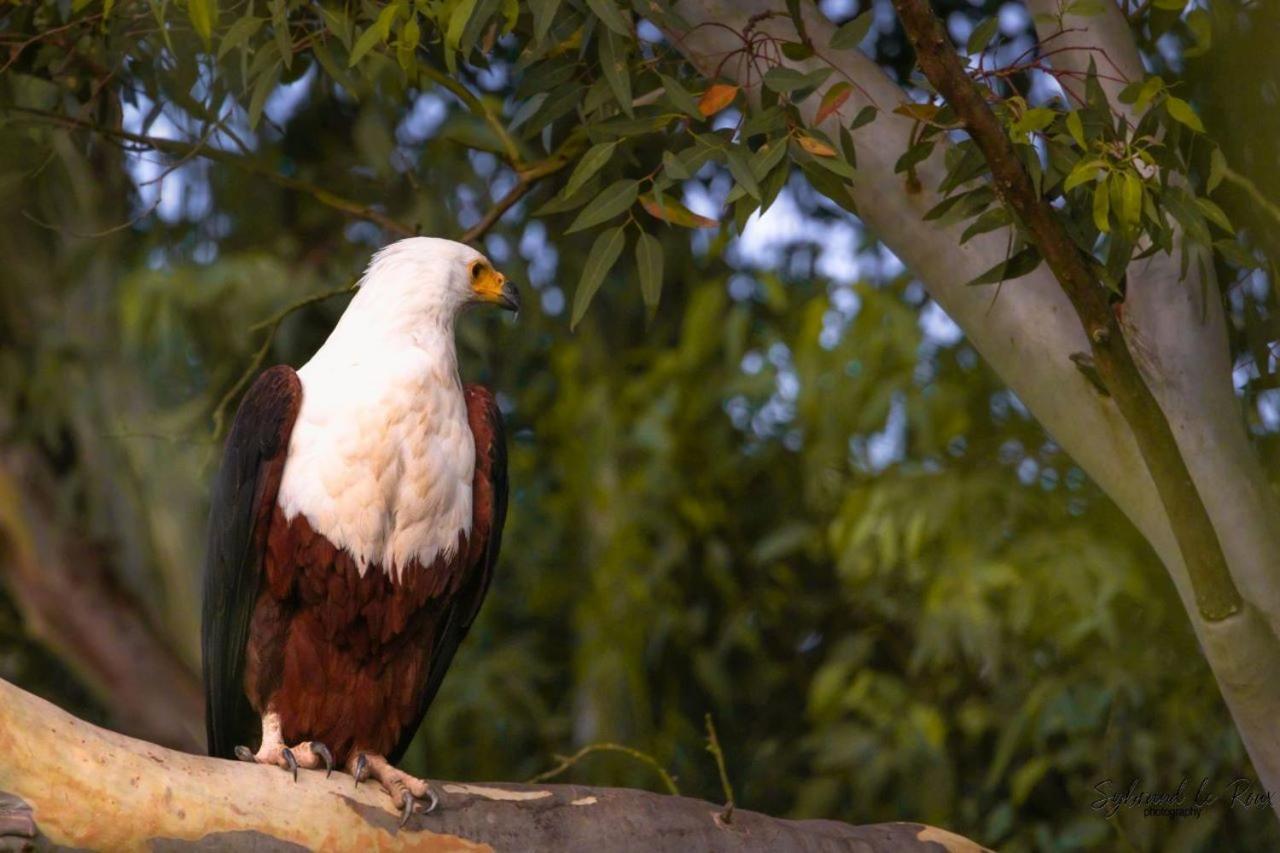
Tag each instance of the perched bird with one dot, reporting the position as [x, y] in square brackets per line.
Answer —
[354, 528]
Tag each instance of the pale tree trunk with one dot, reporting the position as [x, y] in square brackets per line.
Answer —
[67, 784]
[1028, 332]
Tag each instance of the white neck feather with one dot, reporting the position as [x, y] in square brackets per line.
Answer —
[381, 458]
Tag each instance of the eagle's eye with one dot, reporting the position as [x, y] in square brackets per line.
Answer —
[476, 269]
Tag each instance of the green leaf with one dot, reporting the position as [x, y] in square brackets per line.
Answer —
[990, 220]
[851, 33]
[866, 115]
[1075, 127]
[1131, 202]
[204, 16]
[239, 33]
[672, 166]
[767, 157]
[1181, 111]
[614, 199]
[544, 12]
[410, 33]
[1084, 171]
[649, 264]
[796, 51]
[1102, 206]
[741, 171]
[590, 163]
[265, 85]
[604, 254]
[680, 96]
[982, 35]
[379, 30]
[1170, 5]
[1087, 8]
[458, 20]
[280, 28]
[1015, 267]
[1034, 120]
[782, 80]
[336, 21]
[610, 16]
[1201, 26]
[613, 60]
[1217, 169]
[1214, 214]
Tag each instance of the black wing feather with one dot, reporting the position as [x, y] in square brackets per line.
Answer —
[244, 495]
[461, 612]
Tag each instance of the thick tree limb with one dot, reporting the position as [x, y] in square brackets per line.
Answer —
[1027, 334]
[70, 603]
[1178, 336]
[66, 783]
[1211, 582]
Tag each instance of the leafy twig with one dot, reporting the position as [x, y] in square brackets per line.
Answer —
[182, 149]
[525, 180]
[271, 324]
[644, 757]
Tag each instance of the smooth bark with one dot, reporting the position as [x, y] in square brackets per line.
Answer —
[67, 784]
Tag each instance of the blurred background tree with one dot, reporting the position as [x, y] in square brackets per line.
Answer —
[787, 492]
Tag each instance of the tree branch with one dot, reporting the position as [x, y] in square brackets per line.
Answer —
[526, 178]
[64, 782]
[68, 602]
[181, 149]
[1215, 591]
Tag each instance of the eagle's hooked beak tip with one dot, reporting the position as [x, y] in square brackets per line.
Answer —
[509, 298]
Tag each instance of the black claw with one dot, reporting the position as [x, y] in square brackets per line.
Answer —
[434, 801]
[243, 753]
[290, 760]
[409, 803]
[325, 756]
[362, 769]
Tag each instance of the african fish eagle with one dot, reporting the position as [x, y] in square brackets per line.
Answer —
[354, 528]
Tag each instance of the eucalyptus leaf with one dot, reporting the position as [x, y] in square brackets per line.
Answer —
[614, 199]
[603, 255]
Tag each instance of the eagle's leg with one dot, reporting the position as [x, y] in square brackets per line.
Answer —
[404, 790]
[309, 755]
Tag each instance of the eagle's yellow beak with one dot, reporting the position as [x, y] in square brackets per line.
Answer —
[492, 287]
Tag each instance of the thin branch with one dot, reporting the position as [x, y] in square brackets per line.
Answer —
[525, 181]
[643, 757]
[477, 106]
[713, 747]
[181, 149]
[271, 324]
[1215, 591]
[1251, 189]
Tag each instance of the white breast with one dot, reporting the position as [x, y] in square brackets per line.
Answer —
[381, 458]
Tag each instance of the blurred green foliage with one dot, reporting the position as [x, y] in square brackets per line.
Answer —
[786, 500]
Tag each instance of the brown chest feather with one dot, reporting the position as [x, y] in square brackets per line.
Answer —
[342, 657]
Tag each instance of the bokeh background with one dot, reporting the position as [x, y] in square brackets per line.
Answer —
[793, 497]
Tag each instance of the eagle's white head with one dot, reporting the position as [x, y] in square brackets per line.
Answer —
[428, 279]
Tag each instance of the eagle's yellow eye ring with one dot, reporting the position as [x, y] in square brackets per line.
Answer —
[477, 269]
